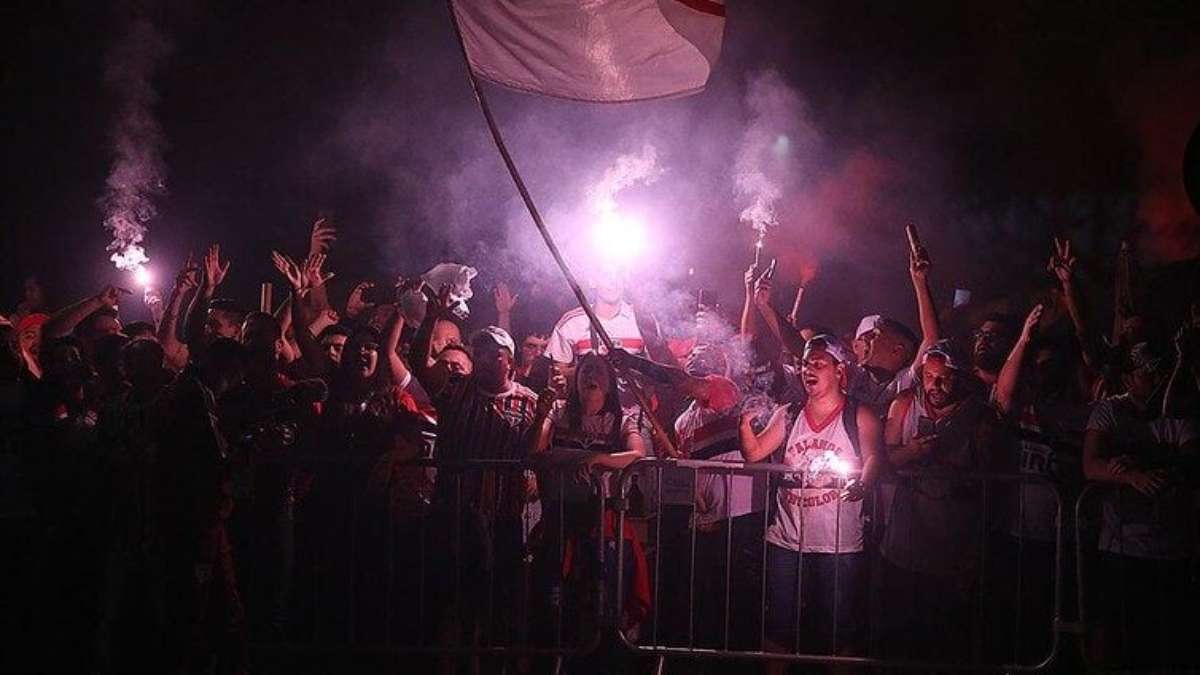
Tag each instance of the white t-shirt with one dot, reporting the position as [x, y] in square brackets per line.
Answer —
[810, 513]
[573, 334]
[1159, 528]
[595, 435]
[707, 434]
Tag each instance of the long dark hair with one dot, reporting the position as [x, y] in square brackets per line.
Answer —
[346, 385]
[612, 399]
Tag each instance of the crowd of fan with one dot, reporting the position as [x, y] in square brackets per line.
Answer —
[177, 490]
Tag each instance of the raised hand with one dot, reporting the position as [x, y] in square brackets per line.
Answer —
[290, 270]
[214, 271]
[1031, 322]
[919, 262]
[504, 297]
[1062, 262]
[762, 291]
[313, 274]
[356, 304]
[188, 278]
[109, 296]
[748, 278]
[322, 237]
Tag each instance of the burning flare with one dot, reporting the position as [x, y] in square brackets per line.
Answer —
[138, 173]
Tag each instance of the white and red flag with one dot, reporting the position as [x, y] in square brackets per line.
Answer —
[594, 50]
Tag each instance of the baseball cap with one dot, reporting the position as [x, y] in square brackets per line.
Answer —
[868, 324]
[498, 336]
[831, 345]
[946, 350]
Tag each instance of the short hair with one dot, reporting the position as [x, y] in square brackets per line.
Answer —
[906, 335]
[335, 329]
[1006, 320]
[228, 305]
[86, 324]
[137, 329]
[454, 346]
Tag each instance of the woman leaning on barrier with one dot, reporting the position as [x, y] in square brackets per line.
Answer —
[587, 433]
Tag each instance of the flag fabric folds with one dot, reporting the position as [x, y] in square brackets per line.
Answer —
[593, 50]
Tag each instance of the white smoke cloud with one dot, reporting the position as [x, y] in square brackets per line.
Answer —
[631, 169]
[138, 174]
[773, 141]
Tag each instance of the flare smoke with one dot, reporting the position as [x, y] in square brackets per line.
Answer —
[628, 170]
[137, 175]
[771, 137]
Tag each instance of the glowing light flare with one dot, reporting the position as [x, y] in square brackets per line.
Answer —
[143, 276]
[829, 462]
[618, 238]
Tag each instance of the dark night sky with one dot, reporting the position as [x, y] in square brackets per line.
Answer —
[987, 124]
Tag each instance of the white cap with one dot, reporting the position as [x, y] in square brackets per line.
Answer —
[497, 335]
[868, 324]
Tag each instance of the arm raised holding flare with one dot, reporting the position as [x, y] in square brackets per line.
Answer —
[918, 270]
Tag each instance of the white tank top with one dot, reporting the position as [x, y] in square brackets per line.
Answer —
[809, 512]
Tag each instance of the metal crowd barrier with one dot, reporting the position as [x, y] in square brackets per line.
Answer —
[379, 561]
[1010, 589]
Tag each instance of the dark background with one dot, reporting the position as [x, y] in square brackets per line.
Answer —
[994, 128]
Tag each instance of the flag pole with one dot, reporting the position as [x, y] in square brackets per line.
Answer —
[541, 224]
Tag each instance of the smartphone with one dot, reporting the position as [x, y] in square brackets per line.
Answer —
[925, 427]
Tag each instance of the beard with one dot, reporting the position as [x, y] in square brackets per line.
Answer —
[989, 360]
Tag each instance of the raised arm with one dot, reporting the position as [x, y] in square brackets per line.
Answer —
[214, 274]
[1010, 373]
[1062, 266]
[748, 320]
[303, 314]
[420, 354]
[757, 447]
[505, 300]
[1182, 396]
[918, 270]
[1122, 290]
[785, 332]
[391, 343]
[62, 322]
[186, 283]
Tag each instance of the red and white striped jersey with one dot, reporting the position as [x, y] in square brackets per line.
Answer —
[573, 335]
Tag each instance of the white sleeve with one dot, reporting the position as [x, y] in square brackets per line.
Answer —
[558, 347]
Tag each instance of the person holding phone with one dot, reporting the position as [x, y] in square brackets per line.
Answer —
[929, 547]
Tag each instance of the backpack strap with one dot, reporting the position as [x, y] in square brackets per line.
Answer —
[850, 422]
